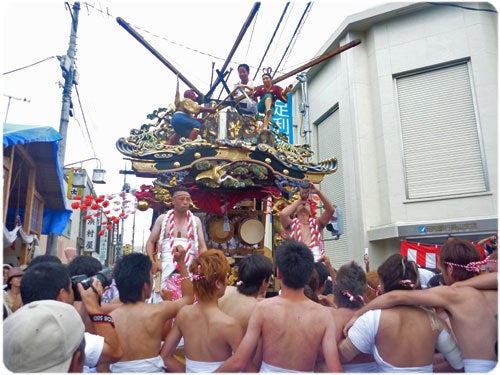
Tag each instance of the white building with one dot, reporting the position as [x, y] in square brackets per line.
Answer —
[411, 115]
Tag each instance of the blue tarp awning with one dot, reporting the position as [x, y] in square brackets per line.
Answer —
[42, 143]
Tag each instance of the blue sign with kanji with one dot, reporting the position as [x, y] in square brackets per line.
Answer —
[283, 118]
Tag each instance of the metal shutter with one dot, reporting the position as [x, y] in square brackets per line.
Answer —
[328, 143]
[441, 148]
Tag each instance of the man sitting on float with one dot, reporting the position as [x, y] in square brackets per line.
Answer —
[184, 121]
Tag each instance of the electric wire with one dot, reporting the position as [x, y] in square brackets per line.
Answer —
[251, 34]
[29, 66]
[464, 7]
[84, 120]
[295, 41]
[107, 14]
[272, 39]
[308, 5]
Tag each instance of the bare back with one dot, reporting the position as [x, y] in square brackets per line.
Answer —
[209, 334]
[237, 305]
[293, 331]
[410, 328]
[139, 329]
[473, 317]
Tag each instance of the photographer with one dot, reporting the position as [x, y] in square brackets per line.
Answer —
[50, 280]
[86, 271]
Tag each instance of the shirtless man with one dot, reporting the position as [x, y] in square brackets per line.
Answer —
[472, 312]
[139, 324]
[294, 329]
[304, 227]
[254, 272]
[179, 226]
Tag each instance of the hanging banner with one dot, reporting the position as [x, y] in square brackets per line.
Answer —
[423, 255]
[91, 225]
[283, 118]
[426, 255]
[72, 191]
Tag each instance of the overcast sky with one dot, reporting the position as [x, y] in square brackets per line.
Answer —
[120, 82]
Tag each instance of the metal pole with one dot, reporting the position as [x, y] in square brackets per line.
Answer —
[317, 60]
[68, 66]
[133, 226]
[8, 104]
[304, 107]
[240, 36]
[150, 48]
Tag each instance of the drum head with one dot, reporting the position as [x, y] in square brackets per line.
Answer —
[216, 230]
[251, 231]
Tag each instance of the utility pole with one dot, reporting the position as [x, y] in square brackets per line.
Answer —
[69, 74]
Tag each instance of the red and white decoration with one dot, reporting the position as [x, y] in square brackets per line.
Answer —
[426, 255]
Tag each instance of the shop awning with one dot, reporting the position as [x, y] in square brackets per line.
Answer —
[42, 143]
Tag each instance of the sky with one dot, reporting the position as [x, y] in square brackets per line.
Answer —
[121, 82]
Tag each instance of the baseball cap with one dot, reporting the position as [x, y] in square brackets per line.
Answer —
[42, 337]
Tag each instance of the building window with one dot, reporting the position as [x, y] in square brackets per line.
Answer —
[329, 144]
[67, 229]
[442, 151]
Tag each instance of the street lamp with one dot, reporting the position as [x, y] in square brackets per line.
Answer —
[80, 178]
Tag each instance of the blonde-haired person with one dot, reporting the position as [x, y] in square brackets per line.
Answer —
[210, 336]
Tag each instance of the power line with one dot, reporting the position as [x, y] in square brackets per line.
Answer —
[272, 38]
[465, 7]
[84, 120]
[29, 66]
[295, 39]
[107, 14]
[302, 18]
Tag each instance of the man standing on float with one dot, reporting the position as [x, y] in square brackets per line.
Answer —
[178, 226]
[304, 227]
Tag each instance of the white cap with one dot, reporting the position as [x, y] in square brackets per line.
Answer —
[42, 337]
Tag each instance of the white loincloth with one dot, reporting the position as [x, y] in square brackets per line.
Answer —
[201, 367]
[266, 367]
[155, 364]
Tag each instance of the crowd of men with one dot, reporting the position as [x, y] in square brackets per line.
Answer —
[195, 322]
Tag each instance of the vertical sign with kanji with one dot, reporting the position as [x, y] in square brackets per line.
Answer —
[72, 190]
[91, 225]
[283, 118]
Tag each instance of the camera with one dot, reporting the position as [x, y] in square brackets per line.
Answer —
[103, 276]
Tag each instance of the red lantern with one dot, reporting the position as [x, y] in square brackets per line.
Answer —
[100, 233]
[75, 205]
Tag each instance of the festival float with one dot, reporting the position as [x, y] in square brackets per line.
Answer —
[238, 179]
